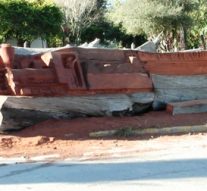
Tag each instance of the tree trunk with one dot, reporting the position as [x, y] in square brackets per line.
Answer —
[20, 42]
[203, 41]
[19, 112]
[182, 38]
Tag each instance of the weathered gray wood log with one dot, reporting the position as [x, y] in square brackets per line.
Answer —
[194, 106]
[33, 51]
[178, 88]
[19, 112]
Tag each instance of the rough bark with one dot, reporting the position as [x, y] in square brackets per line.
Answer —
[178, 88]
[19, 112]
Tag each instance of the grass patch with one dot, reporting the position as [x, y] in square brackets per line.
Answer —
[125, 132]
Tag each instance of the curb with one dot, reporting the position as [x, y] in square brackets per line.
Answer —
[153, 131]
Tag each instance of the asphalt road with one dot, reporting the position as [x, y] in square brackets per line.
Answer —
[180, 167]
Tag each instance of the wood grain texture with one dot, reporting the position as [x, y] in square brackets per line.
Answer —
[18, 112]
[175, 56]
[177, 68]
[178, 88]
[186, 107]
[126, 81]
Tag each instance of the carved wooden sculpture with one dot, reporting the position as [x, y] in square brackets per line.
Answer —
[75, 82]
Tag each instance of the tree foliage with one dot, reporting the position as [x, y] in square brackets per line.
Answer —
[109, 34]
[172, 17]
[26, 20]
[199, 29]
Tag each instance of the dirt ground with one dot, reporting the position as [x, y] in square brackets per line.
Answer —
[70, 138]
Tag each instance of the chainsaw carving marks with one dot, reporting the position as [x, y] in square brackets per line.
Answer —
[35, 62]
[68, 70]
[61, 73]
[181, 63]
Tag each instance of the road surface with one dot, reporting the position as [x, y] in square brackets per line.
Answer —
[182, 166]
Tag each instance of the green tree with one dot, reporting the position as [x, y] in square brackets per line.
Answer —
[26, 20]
[108, 33]
[47, 20]
[197, 35]
[172, 17]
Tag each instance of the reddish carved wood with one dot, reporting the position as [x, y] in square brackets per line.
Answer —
[82, 71]
[137, 82]
[182, 63]
[7, 54]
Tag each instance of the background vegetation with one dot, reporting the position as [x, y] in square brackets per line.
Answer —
[182, 23]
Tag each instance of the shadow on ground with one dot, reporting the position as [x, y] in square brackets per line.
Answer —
[81, 173]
